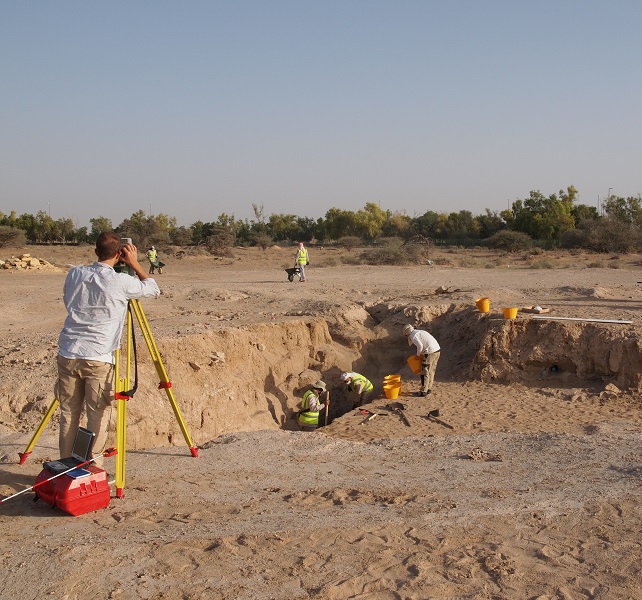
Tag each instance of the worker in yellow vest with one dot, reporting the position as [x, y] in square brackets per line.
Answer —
[359, 385]
[301, 260]
[314, 407]
[154, 263]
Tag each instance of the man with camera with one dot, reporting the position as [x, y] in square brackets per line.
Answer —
[96, 298]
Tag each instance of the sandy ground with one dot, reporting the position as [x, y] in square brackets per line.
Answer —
[533, 493]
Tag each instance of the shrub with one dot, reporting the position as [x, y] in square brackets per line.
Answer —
[220, 244]
[610, 235]
[511, 241]
[349, 242]
[12, 236]
[574, 239]
[542, 264]
[263, 240]
[385, 256]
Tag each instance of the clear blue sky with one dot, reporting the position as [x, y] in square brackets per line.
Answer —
[197, 108]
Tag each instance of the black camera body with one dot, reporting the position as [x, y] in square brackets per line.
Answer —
[121, 267]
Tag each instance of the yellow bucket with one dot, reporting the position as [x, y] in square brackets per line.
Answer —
[414, 362]
[391, 390]
[483, 304]
[509, 313]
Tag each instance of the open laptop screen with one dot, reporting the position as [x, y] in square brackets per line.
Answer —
[83, 444]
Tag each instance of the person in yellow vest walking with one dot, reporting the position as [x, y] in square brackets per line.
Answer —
[154, 263]
[359, 385]
[301, 260]
[314, 407]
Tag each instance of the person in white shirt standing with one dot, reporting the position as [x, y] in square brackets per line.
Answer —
[96, 298]
[428, 348]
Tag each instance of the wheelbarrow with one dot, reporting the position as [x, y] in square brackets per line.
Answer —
[292, 272]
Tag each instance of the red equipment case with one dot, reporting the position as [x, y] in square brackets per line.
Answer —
[75, 496]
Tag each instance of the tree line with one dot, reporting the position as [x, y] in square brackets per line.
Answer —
[554, 221]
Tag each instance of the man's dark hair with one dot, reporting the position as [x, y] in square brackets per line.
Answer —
[107, 245]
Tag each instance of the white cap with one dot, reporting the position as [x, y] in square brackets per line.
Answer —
[408, 329]
[319, 385]
[346, 376]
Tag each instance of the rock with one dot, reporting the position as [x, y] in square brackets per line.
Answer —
[218, 358]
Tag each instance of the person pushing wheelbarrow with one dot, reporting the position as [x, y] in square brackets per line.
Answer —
[154, 263]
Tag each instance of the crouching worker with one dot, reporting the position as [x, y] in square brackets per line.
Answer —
[360, 386]
[314, 407]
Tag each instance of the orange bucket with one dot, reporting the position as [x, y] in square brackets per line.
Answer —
[509, 313]
[415, 363]
[391, 390]
[483, 304]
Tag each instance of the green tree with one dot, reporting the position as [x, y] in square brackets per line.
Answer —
[283, 227]
[308, 229]
[488, 224]
[583, 212]
[320, 231]
[397, 225]
[8, 220]
[199, 232]
[369, 221]
[145, 230]
[81, 235]
[181, 236]
[65, 230]
[45, 227]
[544, 218]
[459, 225]
[625, 210]
[339, 223]
[98, 225]
[258, 224]
[428, 225]
[28, 224]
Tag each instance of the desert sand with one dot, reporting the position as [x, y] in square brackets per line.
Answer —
[529, 487]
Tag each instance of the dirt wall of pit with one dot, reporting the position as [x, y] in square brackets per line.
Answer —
[252, 378]
[541, 352]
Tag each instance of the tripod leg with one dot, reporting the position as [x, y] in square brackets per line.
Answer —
[50, 411]
[122, 385]
[165, 383]
[121, 445]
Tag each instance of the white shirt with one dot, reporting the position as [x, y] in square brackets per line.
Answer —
[96, 300]
[426, 344]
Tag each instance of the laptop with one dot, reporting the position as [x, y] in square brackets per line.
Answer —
[80, 453]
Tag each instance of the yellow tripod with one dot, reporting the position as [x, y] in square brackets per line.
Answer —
[125, 393]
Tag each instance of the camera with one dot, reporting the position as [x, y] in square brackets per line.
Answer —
[121, 267]
[124, 241]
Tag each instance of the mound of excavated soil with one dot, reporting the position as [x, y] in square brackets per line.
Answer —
[526, 486]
